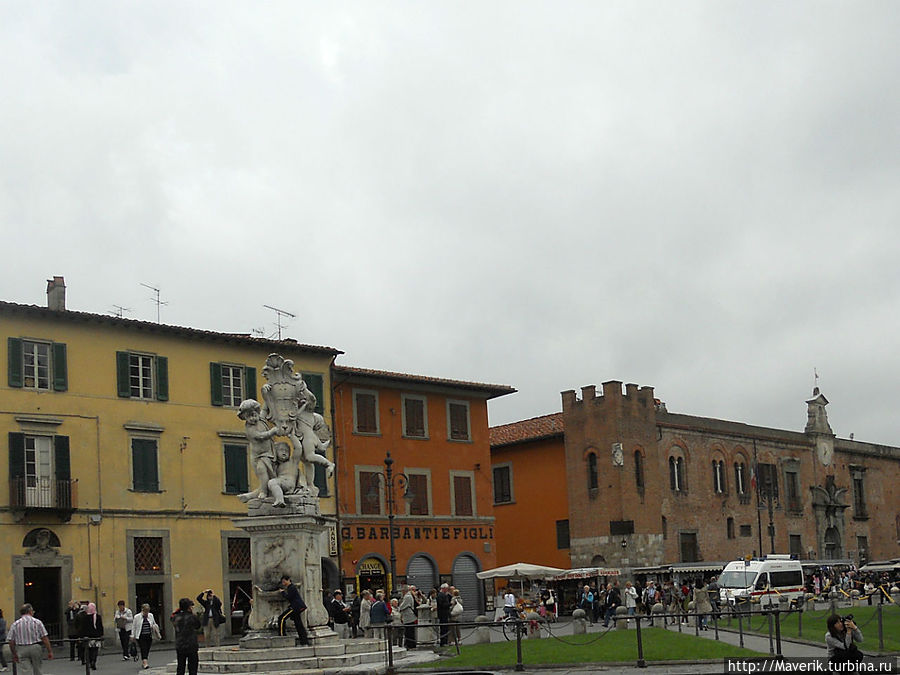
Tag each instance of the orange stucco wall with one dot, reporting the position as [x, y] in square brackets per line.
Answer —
[526, 528]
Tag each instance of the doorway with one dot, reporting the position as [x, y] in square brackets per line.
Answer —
[240, 591]
[154, 596]
[43, 591]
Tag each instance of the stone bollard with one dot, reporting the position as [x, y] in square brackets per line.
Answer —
[810, 602]
[854, 598]
[621, 617]
[536, 618]
[579, 623]
[481, 634]
[657, 609]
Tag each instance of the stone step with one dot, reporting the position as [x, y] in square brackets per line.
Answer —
[318, 660]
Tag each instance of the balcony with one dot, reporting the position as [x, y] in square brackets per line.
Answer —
[29, 494]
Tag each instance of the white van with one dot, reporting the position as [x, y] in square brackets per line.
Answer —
[762, 580]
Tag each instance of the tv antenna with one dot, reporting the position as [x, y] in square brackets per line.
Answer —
[279, 313]
[158, 302]
[119, 311]
[257, 332]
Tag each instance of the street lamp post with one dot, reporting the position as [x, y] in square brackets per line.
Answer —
[402, 482]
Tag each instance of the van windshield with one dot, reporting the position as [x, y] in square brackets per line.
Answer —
[737, 579]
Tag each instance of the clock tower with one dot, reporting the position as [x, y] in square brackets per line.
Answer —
[818, 429]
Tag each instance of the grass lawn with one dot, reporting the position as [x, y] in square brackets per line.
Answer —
[814, 625]
[659, 645]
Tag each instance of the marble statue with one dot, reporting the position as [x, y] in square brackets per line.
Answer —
[262, 451]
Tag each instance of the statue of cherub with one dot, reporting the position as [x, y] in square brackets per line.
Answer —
[262, 451]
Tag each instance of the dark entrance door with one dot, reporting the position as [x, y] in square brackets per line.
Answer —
[152, 594]
[44, 593]
[240, 592]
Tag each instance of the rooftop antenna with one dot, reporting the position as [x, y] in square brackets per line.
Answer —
[258, 332]
[119, 311]
[280, 313]
[156, 299]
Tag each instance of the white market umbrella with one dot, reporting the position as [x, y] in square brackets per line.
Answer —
[520, 571]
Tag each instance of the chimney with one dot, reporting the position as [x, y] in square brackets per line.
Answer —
[56, 294]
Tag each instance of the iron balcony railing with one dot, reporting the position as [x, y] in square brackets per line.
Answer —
[28, 492]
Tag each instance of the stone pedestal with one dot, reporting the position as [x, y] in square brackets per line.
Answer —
[288, 540]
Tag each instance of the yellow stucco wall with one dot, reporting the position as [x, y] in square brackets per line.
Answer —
[191, 506]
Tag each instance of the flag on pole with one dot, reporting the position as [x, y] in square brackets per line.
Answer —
[753, 476]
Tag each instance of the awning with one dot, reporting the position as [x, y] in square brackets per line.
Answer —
[587, 573]
[843, 562]
[520, 571]
[698, 567]
[881, 566]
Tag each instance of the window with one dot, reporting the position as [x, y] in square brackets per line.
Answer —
[418, 492]
[689, 549]
[235, 469]
[238, 554]
[415, 424]
[369, 491]
[768, 480]
[592, 471]
[39, 471]
[458, 417]
[144, 466]
[718, 468]
[148, 555]
[503, 493]
[620, 527]
[463, 499]
[796, 545]
[639, 470]
[562, 534]
[740, 481]
[857, 475]
[365, 412]
[231, 384]
[676, 474]
[746, 531]
[729, 528]
[792, 490]
[142, 376]
[37, 365]
[862, 548]
[664, 526]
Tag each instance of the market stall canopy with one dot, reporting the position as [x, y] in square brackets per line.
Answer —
[695, 567]
[881, 566]
[587, 573]
[520, 571]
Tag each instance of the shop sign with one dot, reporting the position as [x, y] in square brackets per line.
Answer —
[370, 533]
[371, 566]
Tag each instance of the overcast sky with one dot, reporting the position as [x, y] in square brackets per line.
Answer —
[699, 197]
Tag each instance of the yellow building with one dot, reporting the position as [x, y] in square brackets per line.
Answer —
[124, 458]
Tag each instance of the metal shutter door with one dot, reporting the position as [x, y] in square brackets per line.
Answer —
[420, 574]
[469, 586]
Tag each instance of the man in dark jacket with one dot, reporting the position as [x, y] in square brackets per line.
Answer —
[340, 614]
[295, 609]
[186, 626]
[613, 600]
[212, 617]
[443, 612]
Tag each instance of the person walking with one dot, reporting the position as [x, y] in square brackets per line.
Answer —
[25, 638]
[340, 614]
[408, 617]
[186, 626]
[702, 605]
[92, 629]
[143, 630]
[443, 612]
[365, 613]
[124, 620]
[212, 617]
[456, 612]
[586, 602]
[613, 600]
[3, 665]
[631, 597]
[72, 610]
[378, 616]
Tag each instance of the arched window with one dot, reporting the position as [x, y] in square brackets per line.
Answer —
[676, 474]
[592, 471]
[718, 469]
[638, 470]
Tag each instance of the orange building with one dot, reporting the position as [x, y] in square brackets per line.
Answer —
[533, 520]
[436, 432]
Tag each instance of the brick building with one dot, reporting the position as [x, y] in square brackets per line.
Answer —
[646, 486]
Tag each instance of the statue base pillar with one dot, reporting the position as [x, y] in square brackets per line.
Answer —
[288, 540]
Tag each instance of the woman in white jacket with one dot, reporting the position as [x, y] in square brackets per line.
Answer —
[144, 630]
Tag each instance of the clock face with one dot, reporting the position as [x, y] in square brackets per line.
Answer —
[825, 448]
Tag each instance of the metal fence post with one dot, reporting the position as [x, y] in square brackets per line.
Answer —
[880, 628]
[389, 635]
[641, 663]
[716, 624]
[740, 628]
[799, 622]
[519, 629]
[771, 642]
[778, 632]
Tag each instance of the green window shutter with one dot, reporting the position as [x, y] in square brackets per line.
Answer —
[215, 383]
[162, 378]
[316, 384]
[235, 469]
[123, 384]
[320, 480]
[144, 465]
[61, 452]
[16, 455]
[250, 390]
[60, 367]
[14, 360]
